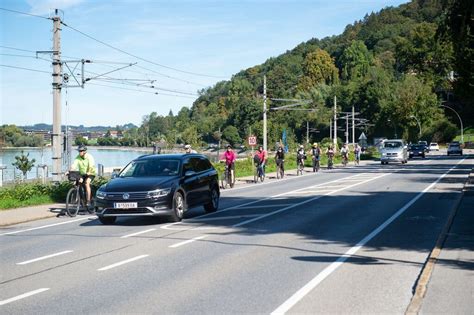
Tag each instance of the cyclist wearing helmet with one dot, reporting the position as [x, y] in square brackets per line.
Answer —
[316, 154]
[300, 154]
[261, 157]
[229, 157]
[280, 158]
[188, 149]
[84, 163]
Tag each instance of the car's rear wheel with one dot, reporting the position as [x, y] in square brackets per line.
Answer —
[214, 204]
[178, 207]
[107, 220]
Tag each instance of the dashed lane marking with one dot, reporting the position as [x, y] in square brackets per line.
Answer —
[22, 296]
[188, 241]
[44, 257]
[122, 262]
[138, 233]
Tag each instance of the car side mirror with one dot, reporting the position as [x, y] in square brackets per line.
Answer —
[189, 173]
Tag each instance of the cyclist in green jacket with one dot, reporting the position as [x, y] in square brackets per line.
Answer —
[85, 164]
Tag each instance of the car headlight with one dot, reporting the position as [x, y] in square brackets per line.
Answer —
[158, 193]
[384, 154]
[101, 195]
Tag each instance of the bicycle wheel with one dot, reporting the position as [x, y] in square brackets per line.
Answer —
[226, 179]
[282, 171]
[255, 175]
[73, 202]
[232, 179]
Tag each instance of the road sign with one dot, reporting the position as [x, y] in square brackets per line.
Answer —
[252, 140]
[362, 137]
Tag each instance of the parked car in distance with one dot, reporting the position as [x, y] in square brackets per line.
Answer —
[434, 146]
[416, 150]
[394, 151]
[155, 185]
[454, 148]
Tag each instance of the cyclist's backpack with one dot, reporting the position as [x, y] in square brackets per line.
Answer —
[256, 159]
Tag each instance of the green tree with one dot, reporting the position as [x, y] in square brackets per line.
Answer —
[355, 60]
[80, 141]
[231, 135]
[457, 28]
[318, 68]
[23, 163]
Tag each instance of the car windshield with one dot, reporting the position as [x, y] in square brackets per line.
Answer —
[416, 147]
[454, 145]
[151, 167]
[392, 144]
[433, 144]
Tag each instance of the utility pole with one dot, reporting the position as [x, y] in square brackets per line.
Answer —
[347, 128]
[334, 140]
[330, 129]
[265, 112]
[57, 84]
[307, 132]
[353, 126]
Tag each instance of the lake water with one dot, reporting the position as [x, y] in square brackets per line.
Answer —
[107, 157]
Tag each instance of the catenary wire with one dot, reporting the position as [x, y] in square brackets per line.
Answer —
[28, 69]
[142, 91]
[138, 57]
[24, 13]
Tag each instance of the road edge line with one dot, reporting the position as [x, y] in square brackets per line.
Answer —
[424, 278]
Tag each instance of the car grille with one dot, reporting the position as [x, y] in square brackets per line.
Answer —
[392, 154]
[132, 196]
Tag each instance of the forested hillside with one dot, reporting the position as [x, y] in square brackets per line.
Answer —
[395, 66]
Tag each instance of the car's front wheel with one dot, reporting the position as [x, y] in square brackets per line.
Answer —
[178, 207]
[214, 202]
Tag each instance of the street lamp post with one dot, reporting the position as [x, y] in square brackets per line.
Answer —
[419, 125]
[460, 120]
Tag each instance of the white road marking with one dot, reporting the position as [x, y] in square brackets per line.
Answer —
[301, 293]
[266, 206]
[223, 218]
[306, 201]
[188, 241]
[275, 197]
[22, 296]
[44, 257]
[122, 263]
[138, 233]
[45, 226]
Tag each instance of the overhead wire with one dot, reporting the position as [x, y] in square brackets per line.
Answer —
[138, 57]
[137, 90]
[24, 13]
[28, 69]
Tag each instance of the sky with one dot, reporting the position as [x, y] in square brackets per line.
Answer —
[142, 47]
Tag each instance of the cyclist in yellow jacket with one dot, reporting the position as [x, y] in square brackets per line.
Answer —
[85, 164]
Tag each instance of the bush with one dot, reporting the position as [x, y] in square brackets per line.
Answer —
[21, 195]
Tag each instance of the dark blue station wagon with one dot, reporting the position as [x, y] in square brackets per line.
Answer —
[154, 185]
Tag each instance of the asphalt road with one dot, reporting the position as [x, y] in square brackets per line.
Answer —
[349, 240]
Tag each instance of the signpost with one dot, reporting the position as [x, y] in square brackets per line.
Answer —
[252, 141]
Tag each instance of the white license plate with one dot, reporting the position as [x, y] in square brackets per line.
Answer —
[125, 205]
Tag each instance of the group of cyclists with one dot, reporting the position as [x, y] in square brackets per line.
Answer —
[261, 156]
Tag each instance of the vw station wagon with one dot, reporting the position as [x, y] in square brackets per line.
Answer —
[159, 185]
